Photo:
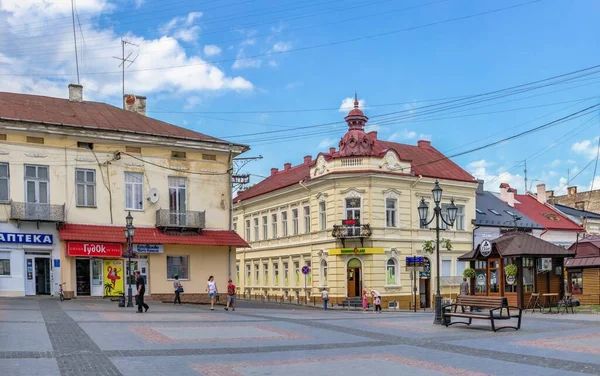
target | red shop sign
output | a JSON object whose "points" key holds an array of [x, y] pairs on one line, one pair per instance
{"points": [[108, 250]]}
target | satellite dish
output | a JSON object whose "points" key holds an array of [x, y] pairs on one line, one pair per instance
{"points": [[130, 99], [153, 195]]}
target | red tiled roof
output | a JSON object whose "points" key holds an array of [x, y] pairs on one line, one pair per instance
{"points": [[149, 235], [91, 115], [544, 214], [425, 160]]}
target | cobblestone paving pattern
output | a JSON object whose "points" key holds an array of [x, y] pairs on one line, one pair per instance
{"points": [[41, 336]]}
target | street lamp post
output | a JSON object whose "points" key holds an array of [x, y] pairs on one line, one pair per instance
{"points": [[437, 210], [129, 231]]}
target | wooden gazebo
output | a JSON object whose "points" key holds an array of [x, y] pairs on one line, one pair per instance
{"points": [[539, 267]]}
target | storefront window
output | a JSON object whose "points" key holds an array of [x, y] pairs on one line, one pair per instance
{"points": [[178, 265], [528, 270], [276, 273], [510, 283], [5, 263], [577, 282], [266, 273], [248, 275], [480, 277]]}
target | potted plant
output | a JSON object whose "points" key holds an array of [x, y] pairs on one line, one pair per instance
{"points": [[511, 270], [469, 273], [429, 246], [447, 243]]}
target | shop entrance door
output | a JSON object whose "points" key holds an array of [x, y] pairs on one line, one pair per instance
{"points": [[141, 265], [97, 278], [494, 277], [354, 278], [82, 277], [42, 276], [29, 275], [425, 292]]}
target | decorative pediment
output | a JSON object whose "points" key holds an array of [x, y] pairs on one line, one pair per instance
{"points": [[321, 196], [391, 193], [392, 162], [85, 159], [4, 152], [36, 155], [392, 252], [352, 193], [321, 166]]}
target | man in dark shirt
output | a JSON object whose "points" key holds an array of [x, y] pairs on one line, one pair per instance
{"points": [[141, 290]]}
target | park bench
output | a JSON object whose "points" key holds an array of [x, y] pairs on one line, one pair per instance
{"points": [[480, 308]]}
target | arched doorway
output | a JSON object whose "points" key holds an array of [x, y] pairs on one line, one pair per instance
{"points": [[424, 284], [354, 278]]}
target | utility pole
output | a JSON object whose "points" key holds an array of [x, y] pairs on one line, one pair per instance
{"points": [[525, 161], [75, 39], [124, 60], [239, 180]]}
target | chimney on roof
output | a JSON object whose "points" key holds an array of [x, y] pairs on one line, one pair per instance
{"points": [[423, 143], [504, 192], [479, 190], [572, 191], [331, 151], [274, 170], [134, 103], [510, 195], [550, 194], [287, 166], [307, 159], [75, 93], [541, 193]]}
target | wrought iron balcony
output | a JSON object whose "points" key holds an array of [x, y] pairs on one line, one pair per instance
{"points": [[350, 231], [188, 220], [31, 211]]}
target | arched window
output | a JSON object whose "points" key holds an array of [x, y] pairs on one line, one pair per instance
{"points": [[391, 272], [324, 273]]}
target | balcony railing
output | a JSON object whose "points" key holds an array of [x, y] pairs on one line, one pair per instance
{"points": [[188, 220], [30, 211], [344, 232]]}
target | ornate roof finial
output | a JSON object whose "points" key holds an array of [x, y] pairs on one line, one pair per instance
{"points": [[355, 99]]}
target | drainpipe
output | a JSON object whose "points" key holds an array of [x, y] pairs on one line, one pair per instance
{"points": [[473, 242], [230, 189], [543, 232], [417, 182], [301, 182]]}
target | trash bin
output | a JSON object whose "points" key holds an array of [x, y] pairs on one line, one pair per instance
{"points": [[446, 320], [122, 301]]}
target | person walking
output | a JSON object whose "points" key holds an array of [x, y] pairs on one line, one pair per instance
{"points": [[378, 304], [211, 287], [230, 295], [141, 290], [178, 290], [464, 287], [365, 302], [325, 297]]}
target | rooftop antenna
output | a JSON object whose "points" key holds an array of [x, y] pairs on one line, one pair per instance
{"points": [[525, 171], [75, 39], [125, 59]]}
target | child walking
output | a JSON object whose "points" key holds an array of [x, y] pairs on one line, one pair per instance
{"points": [[378, 304]]}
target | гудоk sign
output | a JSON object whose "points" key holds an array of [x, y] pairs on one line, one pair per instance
{"points": [[108, 250]]}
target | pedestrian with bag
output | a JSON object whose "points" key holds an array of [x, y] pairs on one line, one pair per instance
{"points": [[140, 285], [230, 295], [178, 290], [325, 297], [211, 287]]}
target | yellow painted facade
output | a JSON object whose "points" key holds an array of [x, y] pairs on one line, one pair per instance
{"points": [[314, 245], [205, 170]]}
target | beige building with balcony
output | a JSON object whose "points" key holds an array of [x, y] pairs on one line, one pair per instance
{"points": [[351, 215], [71, 171]]}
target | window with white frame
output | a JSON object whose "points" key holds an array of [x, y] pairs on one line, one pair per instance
{"points": [[286, 274], [307, 219], [4, 182], [274, 225], [323, 272], [178, 265], [295, 221], [256, 238], [297, 272], [234, 226], [248, 275], [37, 184], [4, 263], [256, 275], [391, 268], [134, 190], [247, 230], [276, 273], [461, 266], [265, 227], [391, 212], [446, 268], [460, 218], [284, 226], [85, 182], [323, 215], [353, 211], [265, 274]]}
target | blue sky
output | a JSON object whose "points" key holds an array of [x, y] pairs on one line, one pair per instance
{"points": [[210, 42]]}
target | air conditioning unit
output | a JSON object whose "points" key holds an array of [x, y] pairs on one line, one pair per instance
{"points": [[544, 264]]}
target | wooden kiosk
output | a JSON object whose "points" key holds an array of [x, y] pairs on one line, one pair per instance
{"points": [[539, 268]]}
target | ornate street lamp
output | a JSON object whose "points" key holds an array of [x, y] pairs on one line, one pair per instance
{"points": [[452, 210], [129, 232]]}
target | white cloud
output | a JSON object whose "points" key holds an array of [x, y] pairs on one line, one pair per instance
{"points": [[348, 104], [595, 184], [138, 3], [273, 63], [242, 62], [183, 28], [561, 187], [277, 29], [211, 50], [248, 42], [327, 142], [404, 135], [426, 137], [480, 170], [587, 148], [552, 174], [373, 128], [570, 161], [194, 75], [555, 163], [191, 102], [281, 47]]}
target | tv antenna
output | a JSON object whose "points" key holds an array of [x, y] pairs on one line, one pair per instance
{"points": [[75, 39], [125, 59]]}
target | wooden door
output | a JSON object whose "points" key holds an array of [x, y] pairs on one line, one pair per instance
{"points": [[352, 277]]}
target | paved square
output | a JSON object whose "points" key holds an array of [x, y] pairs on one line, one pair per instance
{"points": [[42, 336]]}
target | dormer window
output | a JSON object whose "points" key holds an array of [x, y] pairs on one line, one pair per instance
{"points": [[479, 211], [494, 212]]}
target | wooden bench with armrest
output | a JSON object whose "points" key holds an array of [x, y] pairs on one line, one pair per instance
{"points": [[493, 308]]}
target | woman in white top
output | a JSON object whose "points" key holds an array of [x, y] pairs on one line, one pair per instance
{"points": [[211, 287]]}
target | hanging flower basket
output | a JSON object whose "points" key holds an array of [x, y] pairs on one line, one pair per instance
{"points": [[447, 243], [469, 273], [429, 246], [511, 270]]}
